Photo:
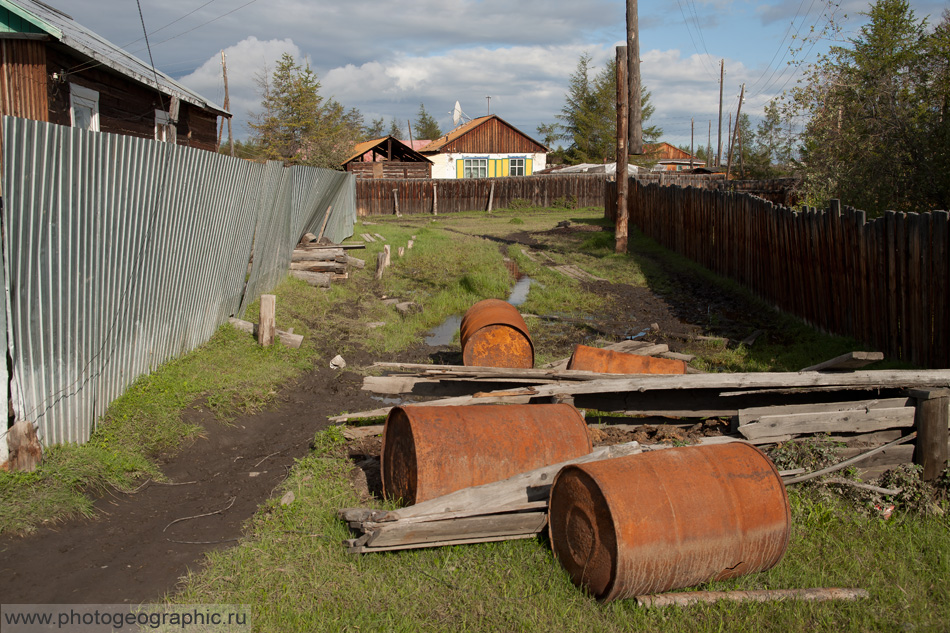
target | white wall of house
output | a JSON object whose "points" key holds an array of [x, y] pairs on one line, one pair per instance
{"points": [[491, 165]]}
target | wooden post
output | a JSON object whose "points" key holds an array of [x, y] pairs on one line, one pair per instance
{"points": [[692, 133], [26, 452], [722, 75], [396, 202], [931, 421], [386, 253], [380, 264], [620, 228], [491, 196], [635, 129], [732, 143], [435, 199], [323, 227], [268, 327]]}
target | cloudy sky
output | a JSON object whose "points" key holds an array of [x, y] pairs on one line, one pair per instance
{"points": [[385, 58]]}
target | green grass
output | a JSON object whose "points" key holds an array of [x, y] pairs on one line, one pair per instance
{"points": [[295, 571]]}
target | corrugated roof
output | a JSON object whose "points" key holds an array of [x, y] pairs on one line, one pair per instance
{"points": [[66, 30], [467, 127]]}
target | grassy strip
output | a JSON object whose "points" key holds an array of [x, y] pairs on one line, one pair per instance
{"points": [[293, 568]]}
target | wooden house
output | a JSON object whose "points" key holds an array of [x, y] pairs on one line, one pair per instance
{"points": [[56, 70], [669, 157], [387, 157], [486, 147]]}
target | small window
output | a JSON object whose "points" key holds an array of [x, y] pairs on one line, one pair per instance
{"points": [[83, 108], [475, 168], [164, 130], [516, 167]]}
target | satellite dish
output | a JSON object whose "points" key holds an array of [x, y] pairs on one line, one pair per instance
{"points": [[457, 113]]}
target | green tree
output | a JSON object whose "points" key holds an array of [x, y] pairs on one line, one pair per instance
{"points": [[394, 130], [426, 127], [872, 137], [299, 126], [375, 129], [588, 119]]}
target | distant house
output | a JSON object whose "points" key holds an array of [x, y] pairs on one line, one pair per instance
{"points": [[387, 157], [669, 157], [486, 147], [56, 70]]}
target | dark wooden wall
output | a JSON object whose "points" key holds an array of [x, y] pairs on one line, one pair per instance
{"points": [[23, 85], [884, 282], [390, 169], [492, 137], [375, 197], [125, 106]]}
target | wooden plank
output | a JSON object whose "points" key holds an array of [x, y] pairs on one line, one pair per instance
{"points": [[859, 421], [481, 528], [849, 361], [753, 414]]}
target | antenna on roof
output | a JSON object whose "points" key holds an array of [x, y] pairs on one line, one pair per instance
{"points": [[457, 113]]}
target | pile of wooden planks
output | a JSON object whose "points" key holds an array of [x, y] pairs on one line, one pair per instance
{"points": [[514, 508], [319, 265]]}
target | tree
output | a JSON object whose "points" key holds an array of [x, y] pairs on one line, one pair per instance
{"points": [[297, 125], [375, 129], [426, 127], [588, 119], [872, 138], [394, 129]]}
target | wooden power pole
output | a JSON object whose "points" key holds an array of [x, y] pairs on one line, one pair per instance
{"points": [[620, 232], [635, 130], [722, 75], [227, 105], [736, 129], [692, 134]]}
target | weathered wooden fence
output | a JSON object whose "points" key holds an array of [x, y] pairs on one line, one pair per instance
{"points": [[885, 282], [380, 196]]}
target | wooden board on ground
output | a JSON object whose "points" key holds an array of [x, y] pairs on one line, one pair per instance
{"points": [[855, 421], [847, 362]]}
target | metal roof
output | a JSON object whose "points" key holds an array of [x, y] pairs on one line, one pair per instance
{"points": [[67, 31]]}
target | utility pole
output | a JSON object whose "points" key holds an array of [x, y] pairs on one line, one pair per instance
{"points": [[692, 133], [709, 146], [732, 144], [489, 105], [623, 106], [227, 105], [635, 130], [722, 75]]}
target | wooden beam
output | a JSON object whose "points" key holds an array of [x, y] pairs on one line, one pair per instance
{"points": [[849, 361], [760, 595], [933, 418], [267, 328]]}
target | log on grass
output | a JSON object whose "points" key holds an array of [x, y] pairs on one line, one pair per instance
{"points": [[317, 280], [686, 598], [318, 255], [355, 262], [319, 267]]}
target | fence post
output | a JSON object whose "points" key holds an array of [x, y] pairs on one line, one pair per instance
{"points": [[396, 202], [435, 199], [931, 419]]}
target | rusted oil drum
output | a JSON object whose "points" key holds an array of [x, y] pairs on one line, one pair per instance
{"points": [[493, 334], [431, 451], [609, 362], [668, 519]]}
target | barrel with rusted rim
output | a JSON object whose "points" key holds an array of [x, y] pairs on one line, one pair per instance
{"points": [[668, 519], [432, 451], [493, 334], [607, 361]]}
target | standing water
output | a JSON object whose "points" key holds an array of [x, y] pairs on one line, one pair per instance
{"points": [[445, 333]]}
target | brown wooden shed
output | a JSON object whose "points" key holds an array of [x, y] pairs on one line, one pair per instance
{"points": [[387, 157], [56, 70]]}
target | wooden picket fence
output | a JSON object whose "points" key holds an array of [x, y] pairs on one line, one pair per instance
{"points": [[423, 195], [885, 282]]}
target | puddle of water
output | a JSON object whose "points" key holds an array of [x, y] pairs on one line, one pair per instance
{"points": [[445, 333], [394, 402]]}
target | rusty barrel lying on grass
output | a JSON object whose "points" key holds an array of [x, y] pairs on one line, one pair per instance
{"points": [[609, 362], [493, 334], [668, 519], [432, 451]]}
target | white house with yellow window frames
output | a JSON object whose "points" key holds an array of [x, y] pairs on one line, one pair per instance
{"points": [[486, 147]]}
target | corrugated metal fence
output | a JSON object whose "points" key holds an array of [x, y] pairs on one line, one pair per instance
{"points": [[885, 282], [121, 253]]}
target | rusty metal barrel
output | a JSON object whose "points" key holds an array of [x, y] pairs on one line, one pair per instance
{"points": [[493, 334], [668, 519], [432, 451], [609, 362]]}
